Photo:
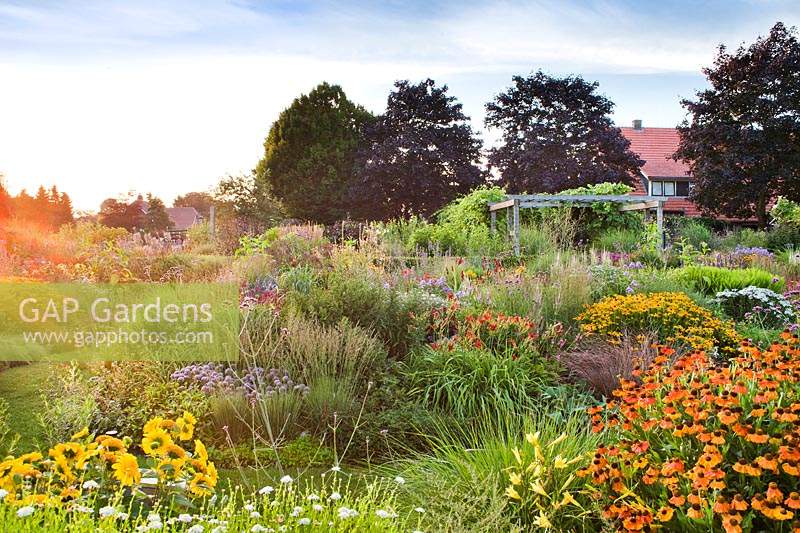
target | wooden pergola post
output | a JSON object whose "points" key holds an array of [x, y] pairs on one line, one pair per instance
{"points": [[493, 218], [516, 227], [660, 223]]}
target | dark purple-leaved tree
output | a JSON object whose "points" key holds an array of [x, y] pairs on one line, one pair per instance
{"points": [[743, 139], [418, 155], [557, 135]]}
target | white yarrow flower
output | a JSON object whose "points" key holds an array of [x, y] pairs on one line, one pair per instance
{"points": [[90, 484], [22, 512], [255, 514], [335, 496], [185, 518], [286, 479], [107, 511], [3, 494], [419, 509], [317, 507], [249, 507], [399, 480], [266, 490], [345, 513], [197, 528], [304, 521]]}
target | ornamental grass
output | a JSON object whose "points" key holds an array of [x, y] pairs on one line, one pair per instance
{"points": [[703, 446]]}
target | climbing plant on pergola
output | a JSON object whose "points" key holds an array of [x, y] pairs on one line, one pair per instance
{"points": [[515, 202]]}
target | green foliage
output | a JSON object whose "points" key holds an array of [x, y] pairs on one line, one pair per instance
{"points": [[156, 220], [177, 267], [696, 233], [472, 382], [309, 154], [619, 240], [68, 406], [605, 215], [462, 481], [8, 438], [304, 452], [711, 280], [471, 210], [783, 237], [785, 212], [393, 316]]}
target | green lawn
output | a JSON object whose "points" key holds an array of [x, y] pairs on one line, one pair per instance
{"points": [[21, 387]]}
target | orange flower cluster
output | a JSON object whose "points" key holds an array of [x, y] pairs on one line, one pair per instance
{"points": [[701, 446], [673, 316]]}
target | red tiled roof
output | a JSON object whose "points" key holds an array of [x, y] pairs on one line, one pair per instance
{"points": [[656, 146]]}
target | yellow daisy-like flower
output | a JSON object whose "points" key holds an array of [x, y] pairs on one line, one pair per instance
{"points": [[200, 452], [156, 441], [126, 469], [81, 434], [185, 426]]}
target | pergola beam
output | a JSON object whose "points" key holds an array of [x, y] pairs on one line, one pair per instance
{"points": [[641, 205], [514, 202]]}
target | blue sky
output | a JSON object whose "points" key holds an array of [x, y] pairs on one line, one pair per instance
{"points": [[167, 97]]}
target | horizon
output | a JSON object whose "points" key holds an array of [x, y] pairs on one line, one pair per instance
{"points": [[102, 99]]}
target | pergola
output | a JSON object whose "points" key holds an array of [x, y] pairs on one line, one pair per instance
{"points": [[514, 202]]}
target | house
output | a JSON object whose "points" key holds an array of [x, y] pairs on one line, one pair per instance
{"points": [[182, 219], [661, 175]]}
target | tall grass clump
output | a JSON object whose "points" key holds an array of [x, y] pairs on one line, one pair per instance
{"points": [[710, 280], [471, 382], [464, 481]]}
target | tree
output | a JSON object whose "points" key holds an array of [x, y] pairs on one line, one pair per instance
{"points": [[556, 135], [5, 201], [115, 214], [201, 201], [249, 199], [420, 154], [743, 141], [308, 154], [156, 219]]}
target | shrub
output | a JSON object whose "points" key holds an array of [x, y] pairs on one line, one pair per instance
{"points": [[711, 280], [698, 446], [746, 237], [763, 307], [785, 212], [782, 237], [365, 302], [600, 364], [672, 317], [696, 233]]}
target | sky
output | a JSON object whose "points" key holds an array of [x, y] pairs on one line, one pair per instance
{"points": [[105, 97]]}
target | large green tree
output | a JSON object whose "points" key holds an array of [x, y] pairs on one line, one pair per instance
{"points": [[156, 220], [557, 134], [419, 155], [201, 201], [309, 153], [743, 140]]}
